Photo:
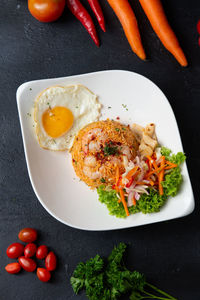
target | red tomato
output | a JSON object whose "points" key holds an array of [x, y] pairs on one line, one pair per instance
{"points": [[42, 252], [15, 250], [27, 264], [30, 250], [51, 261], [198, 27], [46, 10], [43, 274], [13, 268], [27, 235]]}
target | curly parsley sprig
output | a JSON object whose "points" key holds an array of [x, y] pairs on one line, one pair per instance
{"points": [[108, 280]]}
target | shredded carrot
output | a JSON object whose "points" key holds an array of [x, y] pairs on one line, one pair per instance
{"points": [[161, 175], [136, 174], [123, 201], [152, 183], [170, 167], [134, 201], [171, 164], [156, 171], [155, 165], [156, 168], [159, 169], [140, 182], [131, 172], [119, 182], [132, 179], [149, 161]]}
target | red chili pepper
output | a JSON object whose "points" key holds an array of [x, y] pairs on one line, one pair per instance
{"points": [[154, 156], [95, 6], [129, 183], [79, 11], [198, 27]]}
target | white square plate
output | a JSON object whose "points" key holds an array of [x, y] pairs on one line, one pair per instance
{"points": [[51, 173]]}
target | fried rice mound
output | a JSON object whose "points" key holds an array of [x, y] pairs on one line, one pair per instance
{"points": [[99, 149]]}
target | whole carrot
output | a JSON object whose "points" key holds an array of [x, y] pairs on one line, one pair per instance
{"points": [[79, 11], [128, 21], [95, 6], [156, 15]]}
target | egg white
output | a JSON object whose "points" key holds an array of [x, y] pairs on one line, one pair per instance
{"points": [[80, 100]]}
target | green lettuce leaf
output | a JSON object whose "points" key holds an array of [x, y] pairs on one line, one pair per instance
{"points": [[172, 182], [178, 158], [151, 203], [110, 199]]}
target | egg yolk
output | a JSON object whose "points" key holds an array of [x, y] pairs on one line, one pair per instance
{"points": [[56, 121]]}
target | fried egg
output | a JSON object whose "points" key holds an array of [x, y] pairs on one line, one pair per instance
{"points": [[60, 112]]}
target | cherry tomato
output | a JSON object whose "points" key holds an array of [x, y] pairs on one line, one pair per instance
{"points": [[198, 27], [15, 250], [13, 268], [30, 250], [51, 261], [27, 264], [27, 235], [43, 274], [42, 252], [46, 10]]}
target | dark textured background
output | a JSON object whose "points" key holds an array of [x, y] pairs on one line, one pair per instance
{"points": [[168, 253]]}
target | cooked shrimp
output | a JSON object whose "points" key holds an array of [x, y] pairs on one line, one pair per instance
{"points": [[93, 140], [90, 161], [94, 146], [125, 150], [115, 160], [89, 172]]}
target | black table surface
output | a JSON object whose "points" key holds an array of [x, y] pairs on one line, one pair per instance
{"points": [[168, 252]]}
